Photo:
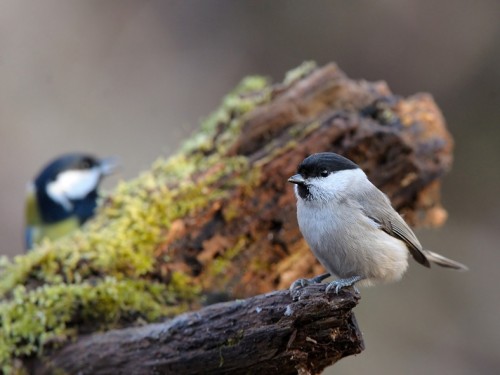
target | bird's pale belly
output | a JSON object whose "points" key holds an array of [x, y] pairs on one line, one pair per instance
{"points": [[367, 251]]}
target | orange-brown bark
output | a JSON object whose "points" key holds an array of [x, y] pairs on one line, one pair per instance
{"points": [[402, 144]]}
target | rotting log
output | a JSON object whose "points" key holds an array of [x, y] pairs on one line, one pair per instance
{"points": [[274, 333], [401, 143], [243, 241]]}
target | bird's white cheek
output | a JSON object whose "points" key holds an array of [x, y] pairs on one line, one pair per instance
{"points": [[342, 180], [73, 185], [336, 184], [82, 183], [55, 192], [323, 189], [296, 191]]}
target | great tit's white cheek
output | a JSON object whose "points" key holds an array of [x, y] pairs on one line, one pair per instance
{"points": [[55, 192], [73, 185]]}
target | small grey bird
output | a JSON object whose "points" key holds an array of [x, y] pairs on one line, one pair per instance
{"points": [[351, 227]]}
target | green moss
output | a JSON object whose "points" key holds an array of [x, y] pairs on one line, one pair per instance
{"points": [[219, 266], [101, 275], [47, 314], [301, 131], [235, 340], [232, 341], [251, 92], [230, 211], [299, 72]]}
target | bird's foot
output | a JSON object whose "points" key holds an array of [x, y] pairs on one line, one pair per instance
{"points": [[337, 285], [301, 283]]}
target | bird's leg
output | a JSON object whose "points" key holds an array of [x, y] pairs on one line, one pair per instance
{"points": [[336, 285], [300, 283]]}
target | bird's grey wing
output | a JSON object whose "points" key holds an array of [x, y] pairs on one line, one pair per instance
{"points": [[378, 208]]}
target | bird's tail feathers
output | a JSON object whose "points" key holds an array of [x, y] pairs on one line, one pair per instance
{"points": [[443, 261]]}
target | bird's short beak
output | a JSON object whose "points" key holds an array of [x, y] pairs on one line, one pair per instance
{"points": [[108, 165], [297, 179]]}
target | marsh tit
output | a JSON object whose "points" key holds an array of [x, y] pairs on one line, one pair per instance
{"points": [[351, 227], [63, 196]]}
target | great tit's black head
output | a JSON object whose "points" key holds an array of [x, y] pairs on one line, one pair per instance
{"points": [[68, 186], [68, 162], [316, 171]]}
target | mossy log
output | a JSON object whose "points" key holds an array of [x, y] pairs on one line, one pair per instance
{"points": [[216, 221], [267, 334], [248, 242]]}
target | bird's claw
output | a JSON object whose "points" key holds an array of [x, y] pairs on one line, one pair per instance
{"points": [[298, 284], [301, 283], [337, 285]]}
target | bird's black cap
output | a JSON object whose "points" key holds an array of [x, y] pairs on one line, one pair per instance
{"points": [[65, 163], [314, 165]]}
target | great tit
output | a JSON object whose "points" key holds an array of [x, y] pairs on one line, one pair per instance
{"points": [[63, 196], [351, 227]]}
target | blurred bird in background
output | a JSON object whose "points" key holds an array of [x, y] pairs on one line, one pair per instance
{"points": [[63, 196]]}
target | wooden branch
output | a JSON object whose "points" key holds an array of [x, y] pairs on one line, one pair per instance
{"points": [[238, 239], [267, 334], [401, 143]]}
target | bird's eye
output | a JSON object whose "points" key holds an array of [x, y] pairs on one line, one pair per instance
{"points": [[324, 173], [84, 164]]}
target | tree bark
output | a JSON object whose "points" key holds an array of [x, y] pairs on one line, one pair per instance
{"points": [[278, 332], [247, 242], [401, 143]]}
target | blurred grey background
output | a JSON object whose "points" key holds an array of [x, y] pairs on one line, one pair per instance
{"points": [[133, 78]]}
